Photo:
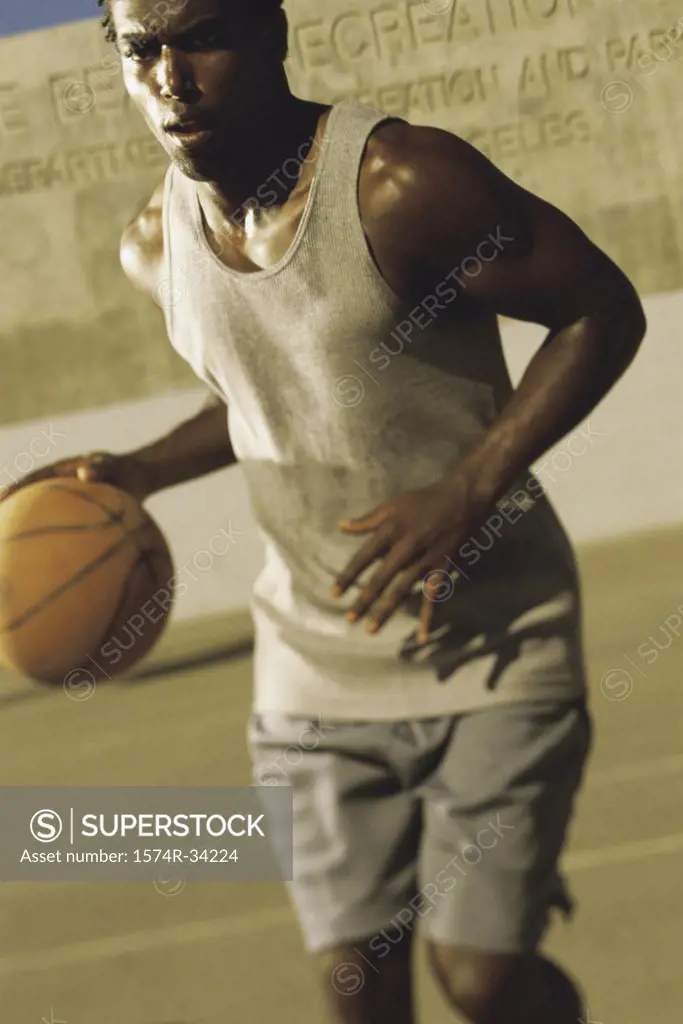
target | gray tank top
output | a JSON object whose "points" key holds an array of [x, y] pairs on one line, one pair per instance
{"points": [[331, 411]]}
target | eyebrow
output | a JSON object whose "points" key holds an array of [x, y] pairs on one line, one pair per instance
{"points": [[145, 36]]}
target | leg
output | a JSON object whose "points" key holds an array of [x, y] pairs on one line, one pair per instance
{"points": [[504, 989], [357, 994], [496, 816], [356, 838]]}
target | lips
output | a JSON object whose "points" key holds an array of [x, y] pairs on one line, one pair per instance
{"points": [[188, 134], [186, 127]]}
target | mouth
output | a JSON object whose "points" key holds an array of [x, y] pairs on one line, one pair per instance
{"points": [[188, 134]]}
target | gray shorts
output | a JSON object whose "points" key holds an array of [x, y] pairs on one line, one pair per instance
{"points": [[455, 823]]}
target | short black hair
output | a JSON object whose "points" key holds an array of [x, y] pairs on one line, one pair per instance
{"points": [[105, 21], [264, 8]]}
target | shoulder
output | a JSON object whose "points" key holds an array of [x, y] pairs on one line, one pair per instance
{"points": [[142, 243], [424, 180], [397, 146]]}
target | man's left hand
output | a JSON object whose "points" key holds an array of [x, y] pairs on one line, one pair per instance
{"points": [[417, 534]]}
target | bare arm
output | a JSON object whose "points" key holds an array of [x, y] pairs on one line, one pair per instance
{"points": [[432, 203], [200, 445], [441, 202], [194, 449]]}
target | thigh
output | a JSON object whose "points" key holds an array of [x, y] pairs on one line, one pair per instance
{"points": [[496, 814], [356, 824]]}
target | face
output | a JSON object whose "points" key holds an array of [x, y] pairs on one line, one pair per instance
{"points": [[199, 72]]}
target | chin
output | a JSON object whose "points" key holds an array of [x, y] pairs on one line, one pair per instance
{"points": [[200, 164], [196, 166]]}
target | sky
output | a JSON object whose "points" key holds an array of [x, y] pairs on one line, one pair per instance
{"points": [[27, 15]]}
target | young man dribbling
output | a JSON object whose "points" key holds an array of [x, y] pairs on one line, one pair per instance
{"points": [[443, 655]]}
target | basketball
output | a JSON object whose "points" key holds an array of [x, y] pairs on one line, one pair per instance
{"points": [[85, 581]]}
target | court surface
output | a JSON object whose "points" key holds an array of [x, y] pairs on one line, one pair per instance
{"points": [[123, 953]]}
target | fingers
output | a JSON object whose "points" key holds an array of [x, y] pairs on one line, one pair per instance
{"points": [[426, 620], [388, 605], [93, 467], [372, 521], [439, 585], [375, 548], [86, 468], [402, 557], [30, 478], [87, 471]]}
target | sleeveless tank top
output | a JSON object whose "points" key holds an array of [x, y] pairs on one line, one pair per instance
{"points": [[335, 405]]}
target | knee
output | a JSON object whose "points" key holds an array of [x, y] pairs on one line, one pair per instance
{"points": [[470, 980], [357, 981], [343, 974], [349, 967]]}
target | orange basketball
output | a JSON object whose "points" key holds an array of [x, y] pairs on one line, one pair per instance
{"points": [[86, 581]]}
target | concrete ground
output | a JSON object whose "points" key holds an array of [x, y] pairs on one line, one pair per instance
{"points": [[123, 953]]}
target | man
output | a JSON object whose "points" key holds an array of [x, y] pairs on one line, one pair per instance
{"points": [[335, 277]]}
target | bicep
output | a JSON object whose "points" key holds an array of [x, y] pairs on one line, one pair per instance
{"points": [[512, 251], [556, 277]]}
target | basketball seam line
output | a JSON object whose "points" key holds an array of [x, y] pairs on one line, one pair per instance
{"points": [[143, 558], [63, 587], [47, 531], [114, 517], [90, 499]]}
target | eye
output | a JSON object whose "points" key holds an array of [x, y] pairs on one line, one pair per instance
{"points": [[211, 37], [140, 50], [205, 37]]}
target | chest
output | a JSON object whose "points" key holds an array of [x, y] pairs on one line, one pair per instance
{"points": [[269, 236]]}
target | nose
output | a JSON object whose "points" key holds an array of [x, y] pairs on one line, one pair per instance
{"points": [[175, 75]]}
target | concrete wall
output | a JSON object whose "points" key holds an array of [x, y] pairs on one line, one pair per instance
{"points": [[576, 99]]}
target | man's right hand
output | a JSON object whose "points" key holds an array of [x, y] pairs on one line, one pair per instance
{"points": [[126, 472]]}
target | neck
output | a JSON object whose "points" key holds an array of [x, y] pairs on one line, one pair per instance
{"points": [[256, 166]]}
